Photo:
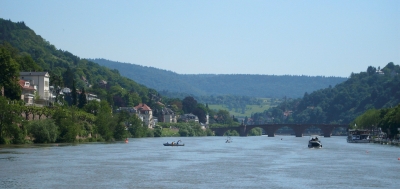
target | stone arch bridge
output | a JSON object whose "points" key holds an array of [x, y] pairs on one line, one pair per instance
{"points": [[270, 129]]}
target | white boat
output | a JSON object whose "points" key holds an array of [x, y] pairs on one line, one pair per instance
{"points": [[314, 142], [358, 136]]}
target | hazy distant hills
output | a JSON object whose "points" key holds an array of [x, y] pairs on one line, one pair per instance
{"points": [[271, 86]]}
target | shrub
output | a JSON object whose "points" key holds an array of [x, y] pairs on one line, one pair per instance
{"points": [[44, 131]]}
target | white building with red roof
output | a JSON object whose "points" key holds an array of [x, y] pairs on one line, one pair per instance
{"points": [[28, 91], [41, 80], [146, 114]]}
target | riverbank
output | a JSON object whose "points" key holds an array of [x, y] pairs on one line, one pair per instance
{"points": [[386, 141]]}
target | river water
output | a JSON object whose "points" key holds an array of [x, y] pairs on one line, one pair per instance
{"points": [[204, 162]]}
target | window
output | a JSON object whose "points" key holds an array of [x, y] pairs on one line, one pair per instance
{"points": [[46, 83]]}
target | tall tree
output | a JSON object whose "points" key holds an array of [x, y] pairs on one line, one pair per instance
{"points": [[201, 112], [9, 75], [57, 82], [74, 94], [82, 99], [223, 117], [9, 118], [104, 121], [68, 77], [189, 104], [371, 70]]}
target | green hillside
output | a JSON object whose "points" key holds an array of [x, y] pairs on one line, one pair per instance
{"points": [[373, 89], [66, 68]]}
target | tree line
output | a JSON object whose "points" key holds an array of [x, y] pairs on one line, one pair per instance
{"points": [[387, 119]]}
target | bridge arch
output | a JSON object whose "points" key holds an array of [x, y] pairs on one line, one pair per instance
{"points": [[255, 131], [285, 130], [313, 130], [222, 131]]}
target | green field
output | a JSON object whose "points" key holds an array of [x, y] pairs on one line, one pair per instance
{"points": [[167, 132], [267, 103]]}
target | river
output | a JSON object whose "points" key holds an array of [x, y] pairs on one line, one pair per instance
{"points": [[204, 162]]}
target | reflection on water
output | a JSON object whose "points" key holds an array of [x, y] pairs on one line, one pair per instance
{"points": [[204, 162]]}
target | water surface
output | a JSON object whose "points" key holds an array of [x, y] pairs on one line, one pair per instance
{"points": [[204, 162]]}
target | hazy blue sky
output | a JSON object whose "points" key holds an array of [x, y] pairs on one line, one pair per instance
{"points": [[296, 37]]}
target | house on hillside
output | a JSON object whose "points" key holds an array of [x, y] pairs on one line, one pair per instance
{"points": [[380, 72], [65, 90], [90, 96], [67, 95], [27, 91], [103, 83], [289, 112], [146, 114], [189, 117], [41, 80], [130, 110], [86, 81], [168, 116]]}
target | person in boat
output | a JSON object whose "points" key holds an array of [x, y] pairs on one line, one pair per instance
{"points": [[316, 138]]}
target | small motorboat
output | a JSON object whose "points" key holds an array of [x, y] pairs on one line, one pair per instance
{"points": [[174, 143], [314, 142]]}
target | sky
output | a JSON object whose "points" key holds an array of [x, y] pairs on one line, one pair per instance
{"points": [[267, 37]]}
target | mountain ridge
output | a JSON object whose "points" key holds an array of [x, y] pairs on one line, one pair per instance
{"points": [[253, 85]]}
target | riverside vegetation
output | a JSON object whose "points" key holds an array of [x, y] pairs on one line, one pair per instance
{"points": [[77, 119], [373, 92]]}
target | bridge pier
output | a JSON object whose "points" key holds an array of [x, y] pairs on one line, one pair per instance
{"points": [[270, 130], [242, 130], [299, 134], [328, 130], [271, 134], [298, 130], [327, 135]]}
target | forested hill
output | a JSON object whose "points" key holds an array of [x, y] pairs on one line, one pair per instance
{"points": [[66, 68], [272, 86], [374, 89]]}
